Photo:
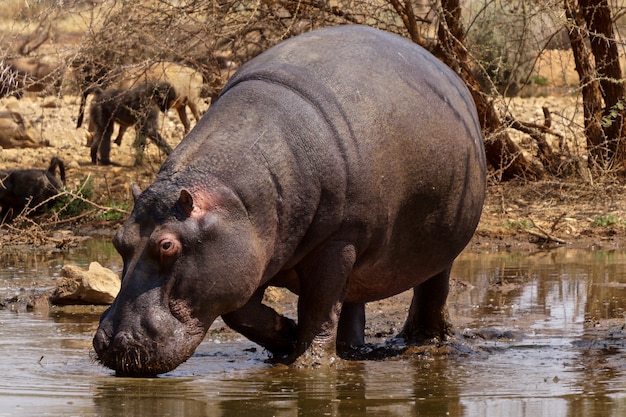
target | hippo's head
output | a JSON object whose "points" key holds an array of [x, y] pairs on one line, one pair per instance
{"points": [[189, 256]]}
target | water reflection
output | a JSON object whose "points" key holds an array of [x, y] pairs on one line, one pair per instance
{"points": [[549, 324], [23, 270], [147, 397], [566, 286], [415, 388], [556, 297]]}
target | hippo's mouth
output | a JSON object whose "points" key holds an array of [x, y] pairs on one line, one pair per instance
{"points": [[155, 347], [131, 357]]}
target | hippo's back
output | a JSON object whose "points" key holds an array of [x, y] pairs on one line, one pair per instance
{"points": [[380, 93], [364, 76]]}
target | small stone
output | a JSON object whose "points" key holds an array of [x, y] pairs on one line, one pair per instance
{"points": [[97, 285]]}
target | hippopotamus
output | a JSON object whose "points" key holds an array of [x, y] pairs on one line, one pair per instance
{"points": [[345, 164]]}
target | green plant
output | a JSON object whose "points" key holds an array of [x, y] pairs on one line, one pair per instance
{"points": [[606, 221], [518, 225], [75, 202], [614, 112], [539, 80], [116, 214]]}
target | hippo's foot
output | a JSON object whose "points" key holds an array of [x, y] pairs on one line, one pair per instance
{"points": [[419, 333], [428, 317], [319, 353]]}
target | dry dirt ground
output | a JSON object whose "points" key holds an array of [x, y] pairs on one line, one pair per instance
{"points": [[516, 214], [538, 215]]}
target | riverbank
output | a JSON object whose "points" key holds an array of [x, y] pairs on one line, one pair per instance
{"points": [[526, 215]]}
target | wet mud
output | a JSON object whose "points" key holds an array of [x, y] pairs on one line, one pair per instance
{"points": [[535, 334]]}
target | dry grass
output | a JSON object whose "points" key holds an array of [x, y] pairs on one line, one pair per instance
{"points": [[21, 17]]}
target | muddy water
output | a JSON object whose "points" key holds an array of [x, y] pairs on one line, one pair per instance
{"points": [[537, 335]]}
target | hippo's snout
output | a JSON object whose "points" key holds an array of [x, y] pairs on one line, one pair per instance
{"points": [[126, 355], [146, 344]]}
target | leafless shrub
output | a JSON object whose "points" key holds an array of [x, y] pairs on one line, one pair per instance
{"points": [[11, 81], [508, 40]]}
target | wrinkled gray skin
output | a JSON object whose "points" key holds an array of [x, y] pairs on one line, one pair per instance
{"points": [[345, 164]]}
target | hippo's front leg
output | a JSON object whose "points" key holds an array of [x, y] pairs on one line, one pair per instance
{"points": [[323, 281], [263, 325]]}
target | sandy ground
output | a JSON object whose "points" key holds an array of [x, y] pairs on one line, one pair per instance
{"points": [[53, 121], [516, 213]]}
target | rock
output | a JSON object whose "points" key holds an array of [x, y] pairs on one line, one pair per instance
{"points": [[52, 103], [97, 285], [273, 295]]}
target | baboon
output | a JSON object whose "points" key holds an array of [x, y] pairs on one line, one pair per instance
{"points": [[36, 74], [187, 82], [21, 188], [138, 106]]}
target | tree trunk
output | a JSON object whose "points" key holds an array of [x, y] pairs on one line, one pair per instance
{"points": [[597, 15], [501, 152], [597, 155]]}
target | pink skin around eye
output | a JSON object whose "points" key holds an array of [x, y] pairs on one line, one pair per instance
{"points": [[167, 248]]}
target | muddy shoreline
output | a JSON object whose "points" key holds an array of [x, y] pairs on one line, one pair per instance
{"points": [[386, 317], [518, 216]]}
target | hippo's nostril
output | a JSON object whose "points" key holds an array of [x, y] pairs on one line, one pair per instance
{"points": [[101, 341], [122, 340]]}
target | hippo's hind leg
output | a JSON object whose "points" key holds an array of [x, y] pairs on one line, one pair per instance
{"points": [[351, 328], [428, 317], [264, 326]]}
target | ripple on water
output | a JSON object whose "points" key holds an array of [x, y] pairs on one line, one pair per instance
{"points": [[537, 319]]}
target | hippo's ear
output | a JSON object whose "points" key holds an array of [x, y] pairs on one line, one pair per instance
{"points": [[135, 189], [196, 204], [185, 201]]}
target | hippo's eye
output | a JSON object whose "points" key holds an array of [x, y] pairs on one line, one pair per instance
{"points": [[168, 248]]}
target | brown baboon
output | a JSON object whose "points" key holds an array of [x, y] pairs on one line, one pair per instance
{"points": [[21, 188], [187, 82], [36, 74], [138, 106]]}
